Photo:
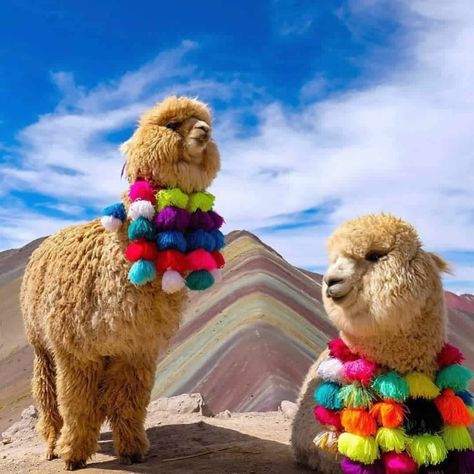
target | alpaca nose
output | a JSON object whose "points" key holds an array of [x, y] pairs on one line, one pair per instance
{"points": [[202, 126], [332, 281]]}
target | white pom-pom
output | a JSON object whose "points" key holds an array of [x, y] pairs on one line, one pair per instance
{"points": [[172, 282], [141, 209], [331, 369], [217, 274], [111, 223]]}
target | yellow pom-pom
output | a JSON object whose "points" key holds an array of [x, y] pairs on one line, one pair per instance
{"points": [[171, 197], [427, 449], [457, 438], [390, 439], [421, 386], [327, 441], [358, 448], [203, 201]]}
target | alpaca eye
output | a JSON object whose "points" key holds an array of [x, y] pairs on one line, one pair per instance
{"points": [[374, 256], [173, 125]]}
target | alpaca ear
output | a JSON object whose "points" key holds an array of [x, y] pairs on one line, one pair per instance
{"points": [[441, 264], [124, 147]]}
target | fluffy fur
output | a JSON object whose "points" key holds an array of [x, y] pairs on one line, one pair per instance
{"points": [[383, 292], [96, 336]]}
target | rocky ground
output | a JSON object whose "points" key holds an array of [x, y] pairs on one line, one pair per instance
{"points": [[183, 440]]}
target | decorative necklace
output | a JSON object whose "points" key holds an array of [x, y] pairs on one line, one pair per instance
{"points": [[383, 422], [171, 233]]}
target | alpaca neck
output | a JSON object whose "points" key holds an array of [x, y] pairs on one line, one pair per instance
{"points": [[414, 348]]}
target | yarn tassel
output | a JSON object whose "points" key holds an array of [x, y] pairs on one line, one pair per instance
{"points": [[452, 409], [330, 418], [353, 467], [455, 377], [457, 438], [327, 395], [142, 272], [331, 369], [449, 355], [427, 449], [358, 448], [355, 396], [339, 350], [360, 370], [111, 223], [327, 441], [422, 417], [390, 439], [391, 385], [388, 413], [358, 421], [172, 282], [199, 280], [399, 463], [421, 386]]}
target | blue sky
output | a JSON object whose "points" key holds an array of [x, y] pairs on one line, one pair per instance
{"points": [[323, 111]]}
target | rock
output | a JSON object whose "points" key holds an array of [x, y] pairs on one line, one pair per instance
{"points": [[224, 415], [181, 404], [24, 428], [288, 409], [30, 412]]}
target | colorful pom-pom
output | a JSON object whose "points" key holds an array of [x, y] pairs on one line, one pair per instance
{"points": [[388, 413], [331, 369], [421, 386], [330, 418], [142, 272], [199, 280], [453, 409], [358, 448], [339, 349], [201, 239], [455, 377], [427, 449], [219, 258], [327, 395], [462, 462], [111, 223], [171, 197], [361, 370], [172, 218], [217, 275], [172, 282], [141, 228], [422, 417], [355, 396], [358, 421], [171, 239], [141, 209], [219, 239], [201, 220], [466, 396], [348, 466], [142, 190], [399, 463], [390, 439], [457, 438], [116, 210], [141, 249], [200, 260], [171, 260], [217, 219], [391, 385], [327, 441], [202, 201], [449, 355]]}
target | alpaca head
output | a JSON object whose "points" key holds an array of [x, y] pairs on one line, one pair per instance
{"points": [[172, 146], [379, 279]]}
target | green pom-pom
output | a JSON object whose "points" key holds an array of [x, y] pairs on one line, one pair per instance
{"points": [[358, 448], [391, 385], [202, 201], [390, 439], [327, 395], [199, 280], [457, 438], [141, 228], [355, 396], [455, 377], [427, 449], [171, 197]]}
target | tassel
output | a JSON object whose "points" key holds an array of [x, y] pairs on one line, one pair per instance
{"points": [[457, 438], [427, 449], [219, 239], [172, 218], [327, 441], [141, 209], [171, 259], [358, 421], [399, 463], [202, 201], [449, 355], [111, 223], [327, 395], [388, 413], [141, 249], [360, 370], [201, 239], [452, 409], [171, 197], [391, 385], [422, 417], [201, 220], [358, 448], [390, 439], [331, 369], [339, 350], [330, 418], [141, 228], [353, 467], [200, 259], [354, 396], [466, 397], [218, 257], [142, 272], [455, 377], [172, 282], [463, 462], [217, 219], [421, 386], [199, 280], [142, 190], [116, 210], [171, 239]]}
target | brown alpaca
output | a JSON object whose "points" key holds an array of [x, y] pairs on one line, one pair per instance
{"points": [[96, 336], [384, 294]]}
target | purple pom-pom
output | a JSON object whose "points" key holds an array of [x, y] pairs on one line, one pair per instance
{"points": [[353, 467], [217, 219], [172, 218], [462, 462], [201, 220]]}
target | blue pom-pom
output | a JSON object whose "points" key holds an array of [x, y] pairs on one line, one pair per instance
{"points": [[141, 272], [219, 238], [327, 395], [466, 396], [141, 228], [201, 239], [116, 210], [171, 239], [199, 280]]}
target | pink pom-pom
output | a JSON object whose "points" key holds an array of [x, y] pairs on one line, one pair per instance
{"points": [[141, 249], [142, 190], [330, 418], [361, 370], [449, 355], [399, 463], [339, 349], [200, 259]]}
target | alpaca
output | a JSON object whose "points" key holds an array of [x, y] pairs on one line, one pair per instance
{"points": [[383, 292], [95, 335]]}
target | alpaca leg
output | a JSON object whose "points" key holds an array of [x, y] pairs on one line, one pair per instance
{"points": [[44, 392], [126, 396], [78, 387]]}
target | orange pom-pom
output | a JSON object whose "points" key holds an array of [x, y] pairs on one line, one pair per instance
{"points": [[452, 409], [201, 259], [171, 259], [219, 258], [358, 421], [141, 249], [388, 414]]}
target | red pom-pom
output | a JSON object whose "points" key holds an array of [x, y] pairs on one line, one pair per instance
{"points": [[142, 190], [201, 259], [449, 355], [171, 259], [338, 349], [219, 258], [399, 463], [141, 249], [330, 418]]}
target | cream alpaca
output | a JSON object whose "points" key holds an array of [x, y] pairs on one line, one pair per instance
{"points": [[96, 336]]}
